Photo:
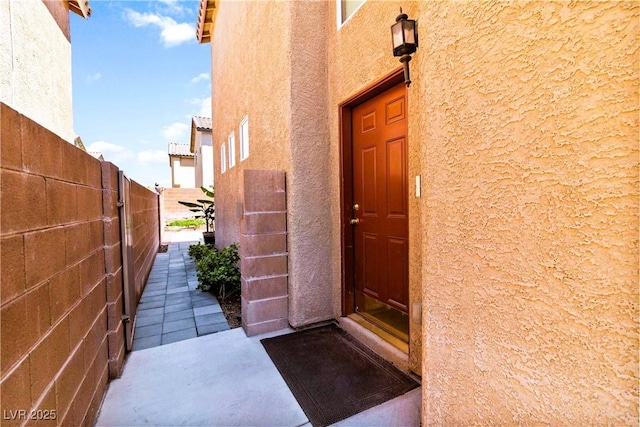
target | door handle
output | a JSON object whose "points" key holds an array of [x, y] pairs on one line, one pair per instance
{"points": [[354, 221]]}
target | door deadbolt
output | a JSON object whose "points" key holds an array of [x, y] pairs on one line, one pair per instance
{"points": [[356, 207]]}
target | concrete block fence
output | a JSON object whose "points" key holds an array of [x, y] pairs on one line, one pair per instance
{"points": [[61, 294], [171, 209]]}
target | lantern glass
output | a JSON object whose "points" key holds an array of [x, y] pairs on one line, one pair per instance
{"points": [[398, 36], [405, 39], [408, 28]]}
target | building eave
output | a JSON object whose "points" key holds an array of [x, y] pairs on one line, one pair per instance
{"points": [[80, 7], [206, 19]]}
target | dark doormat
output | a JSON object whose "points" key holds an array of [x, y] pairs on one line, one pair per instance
{"points": [[332, 375]]}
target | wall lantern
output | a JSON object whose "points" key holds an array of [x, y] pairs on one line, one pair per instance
{"points": [[404, 34]]}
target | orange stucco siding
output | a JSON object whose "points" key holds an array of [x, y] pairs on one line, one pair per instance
{"points": [[528, 123], [258, 88], [523, 126]]}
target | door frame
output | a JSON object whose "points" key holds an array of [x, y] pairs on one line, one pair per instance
{"points": [[346, 181]]}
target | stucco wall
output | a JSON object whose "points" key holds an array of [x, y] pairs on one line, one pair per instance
{"points": [[206, 154], [529, 128], [60, 12], [309, 219], [203, 160], [523, 125], [31, 41], [258, 87], [183, 172], [281, 63]]}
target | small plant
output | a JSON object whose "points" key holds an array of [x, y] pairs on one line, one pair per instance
{"points": [[187, 222], [218, 271], [198, 251], [205, 208]]}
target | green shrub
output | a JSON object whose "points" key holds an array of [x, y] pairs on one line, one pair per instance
{"points": [[198, 250], [186, 222], [218, 271]]}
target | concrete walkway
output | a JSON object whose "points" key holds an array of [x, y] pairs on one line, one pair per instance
{"points": [[221, 379], [171, 308]]}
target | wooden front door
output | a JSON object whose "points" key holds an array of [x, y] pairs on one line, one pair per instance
{"points": [[380, 208]]}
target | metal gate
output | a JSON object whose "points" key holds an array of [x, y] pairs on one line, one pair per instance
{"points": [[128, 275]]}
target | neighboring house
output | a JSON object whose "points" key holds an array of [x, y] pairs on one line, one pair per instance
{"points": [[44, 97], [78, 143], [479, 228], [201, 147], [181, 160]]}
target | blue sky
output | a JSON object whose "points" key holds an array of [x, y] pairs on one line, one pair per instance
{"points": [[139, 75]]}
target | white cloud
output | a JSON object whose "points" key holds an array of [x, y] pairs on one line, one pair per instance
{"points": [[175, 130], [173, 7], [105, 147], [200, 77], [93, 77], [171, 3], [111, 152], [203, 105], [172, 32], [153, 156]]}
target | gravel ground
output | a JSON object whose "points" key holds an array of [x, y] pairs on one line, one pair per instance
{"points": [[232, 310]]}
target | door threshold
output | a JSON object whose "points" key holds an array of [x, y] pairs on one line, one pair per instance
{"points": [[383, 343], [388, 337]]}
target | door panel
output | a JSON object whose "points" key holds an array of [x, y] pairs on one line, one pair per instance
{"points": [[369, 121], [395, 110], [397, 178], [370, 254], [397, 258], [380, 189], [370, 192]]}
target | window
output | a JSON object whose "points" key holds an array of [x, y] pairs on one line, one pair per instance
{"points": [[244, 138], [223, 158], [346, 8], [232, 150]]}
